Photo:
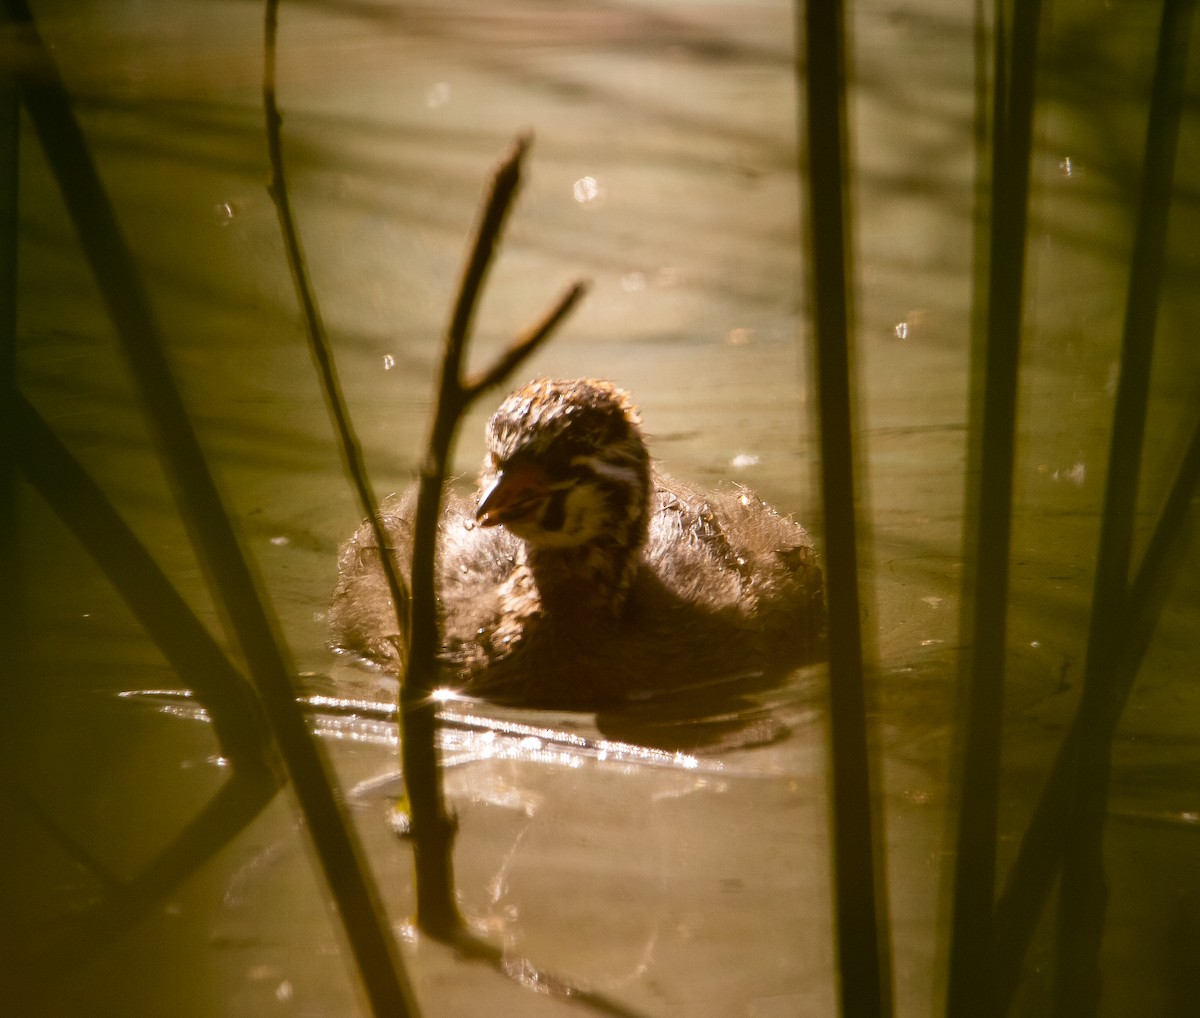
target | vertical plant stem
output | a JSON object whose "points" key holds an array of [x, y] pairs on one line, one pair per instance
{"points": [[10, 579], [1083, 890], [363, 913], [1040, 855], [970, 983], [129, 308], [432, 829], [863, 954], [318, 341]]}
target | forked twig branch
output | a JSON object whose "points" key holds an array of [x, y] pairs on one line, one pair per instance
{"points": [[416, 607], [433, 831], [509, 361]]}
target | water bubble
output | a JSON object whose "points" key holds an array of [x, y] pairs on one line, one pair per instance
{"points": [[631, 282], [389, 362], [437, 95], [901, 330], [586, 190], [1076, 474]]}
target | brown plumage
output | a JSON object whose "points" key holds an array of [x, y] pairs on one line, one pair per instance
{"points": [[581, 578]]}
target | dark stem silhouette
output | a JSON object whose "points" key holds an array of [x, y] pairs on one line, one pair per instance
{"points": [[432, 829]]}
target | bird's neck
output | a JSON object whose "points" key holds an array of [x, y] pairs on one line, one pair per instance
{"points": [[595, 577]]}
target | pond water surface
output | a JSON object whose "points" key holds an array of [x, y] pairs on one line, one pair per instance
{"points": [[690, 880]]}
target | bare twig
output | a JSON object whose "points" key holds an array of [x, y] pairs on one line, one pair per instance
{"points": [[522, 347], [506, 180], [363, 915], [432, 828], [350, 448], [433, 831]]}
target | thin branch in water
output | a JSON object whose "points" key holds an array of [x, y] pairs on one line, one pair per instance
{"points": [[525, 345], [506, 180], [432, 829], [318, 339], [364, 918]]}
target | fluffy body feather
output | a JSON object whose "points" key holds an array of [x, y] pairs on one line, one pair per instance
{"points": [[581, 578]]}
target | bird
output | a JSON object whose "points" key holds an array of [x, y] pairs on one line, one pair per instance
{"points": [[581, 577]]}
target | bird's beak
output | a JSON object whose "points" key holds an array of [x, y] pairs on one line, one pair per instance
{"points": [[515, 494]]}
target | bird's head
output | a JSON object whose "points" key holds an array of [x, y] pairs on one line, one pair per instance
{"points": [[567, 467]]}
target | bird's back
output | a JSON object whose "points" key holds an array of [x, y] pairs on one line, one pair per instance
{"points": [[726, 587]]}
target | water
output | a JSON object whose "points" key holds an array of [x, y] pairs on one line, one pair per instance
{"points": [[663, 170]]}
